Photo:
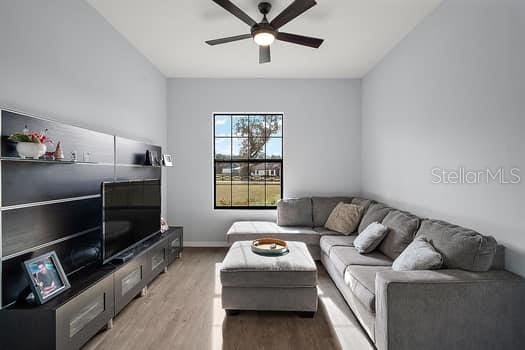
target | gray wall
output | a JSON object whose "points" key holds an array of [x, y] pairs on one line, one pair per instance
{"points": [[321, 143], [452, 95], [60, 59]]}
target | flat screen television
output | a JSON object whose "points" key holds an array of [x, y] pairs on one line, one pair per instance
{"points": [[130, 214]]}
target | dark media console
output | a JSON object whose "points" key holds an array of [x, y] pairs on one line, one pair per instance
{"points": [[96, 296], [56, 205]]}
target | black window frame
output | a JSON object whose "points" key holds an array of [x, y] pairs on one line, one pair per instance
{"points": [[248, 161]]}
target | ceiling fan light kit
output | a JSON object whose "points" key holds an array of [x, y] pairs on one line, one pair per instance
{"points": [[265, 33]]}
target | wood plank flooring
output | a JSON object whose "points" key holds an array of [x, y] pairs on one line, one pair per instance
{"points": [[183, 311]]}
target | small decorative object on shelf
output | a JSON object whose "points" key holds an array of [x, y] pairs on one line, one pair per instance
{"points": [[149, 158], [157, 161], [49, 155], [74, 156], [30, 144], [46, 277], [167, 160], [163, 225], [152, 158], [59, 154]]}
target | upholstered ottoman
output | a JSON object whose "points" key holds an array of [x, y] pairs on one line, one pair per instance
{"points": [[254, 282]]}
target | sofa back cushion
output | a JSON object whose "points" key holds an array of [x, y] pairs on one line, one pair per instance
{"points": [[499, 259], [294, 212], [402, 228], [461, 248], [362, 202], [376, 213], [322, 208]]}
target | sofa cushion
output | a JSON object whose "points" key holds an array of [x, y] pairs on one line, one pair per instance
{"points": [[294, 212], [322, 208], [419, 255], [362, 202], [499, 258], [323, 231], [370, 238], [345, 256], [376, 213], [344, 218], [402, 228], [327, 242], [461, 248], [361, 281], [250, 230]]}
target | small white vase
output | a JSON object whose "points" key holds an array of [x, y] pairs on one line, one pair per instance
{"points": [[31, 149]]}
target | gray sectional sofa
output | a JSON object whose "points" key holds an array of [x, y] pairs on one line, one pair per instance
{"points": [[471, 303]]}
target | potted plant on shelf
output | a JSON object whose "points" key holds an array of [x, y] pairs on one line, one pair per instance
{"points": [[30, 144]]}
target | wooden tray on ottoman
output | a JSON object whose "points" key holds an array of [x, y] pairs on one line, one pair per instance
{"points": [[270, 247]]}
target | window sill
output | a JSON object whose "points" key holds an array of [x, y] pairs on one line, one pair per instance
{"points": [[245, 208]]}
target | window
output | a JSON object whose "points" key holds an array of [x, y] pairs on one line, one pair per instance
{"points": [[248, 160]]}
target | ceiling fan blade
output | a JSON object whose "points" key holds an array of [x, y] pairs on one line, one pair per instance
{"points": [[237, 12], [228, 39], [264, 54], [294, 10], [300, 39]]}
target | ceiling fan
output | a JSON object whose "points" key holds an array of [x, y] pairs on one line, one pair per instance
{"points": [[264, 33]]}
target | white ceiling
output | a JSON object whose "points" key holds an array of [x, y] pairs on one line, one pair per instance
{"points": [[171, 34]]}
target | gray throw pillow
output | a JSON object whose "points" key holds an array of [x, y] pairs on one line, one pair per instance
{"points": [[344, 218], [370, 238], [419, 255]]}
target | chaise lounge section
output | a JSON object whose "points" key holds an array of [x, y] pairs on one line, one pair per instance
{"points": [[471, 303], [300, 219]]}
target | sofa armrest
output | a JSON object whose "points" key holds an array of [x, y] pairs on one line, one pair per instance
{"points": [[449, 309]]}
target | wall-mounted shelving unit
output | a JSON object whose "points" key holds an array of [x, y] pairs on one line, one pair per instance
{"points": [[55, 205]]}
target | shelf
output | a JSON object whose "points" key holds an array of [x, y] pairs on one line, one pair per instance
{"points": [[50, 161], [53, 161], [138, 165], [80, 281]]}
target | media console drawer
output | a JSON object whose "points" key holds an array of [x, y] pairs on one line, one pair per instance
{"points": [[156, 262], [129, 281], [174, 244], [84, 315]]}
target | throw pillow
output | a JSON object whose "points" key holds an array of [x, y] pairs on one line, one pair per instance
{"points": [[370, 238], [419, 255], [344, 218]]}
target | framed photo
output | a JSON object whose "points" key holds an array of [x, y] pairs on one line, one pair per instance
{"points": [[46, 277], [167, 160]]}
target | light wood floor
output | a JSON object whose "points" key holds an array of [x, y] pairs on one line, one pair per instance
{"points": [[183, 311]]}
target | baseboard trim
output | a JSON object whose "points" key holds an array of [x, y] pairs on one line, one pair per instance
{"points": [[206, 244]]}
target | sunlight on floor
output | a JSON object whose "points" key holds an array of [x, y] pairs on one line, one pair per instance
{"points": [[342, 321], [217, 313], [334, 309]]}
